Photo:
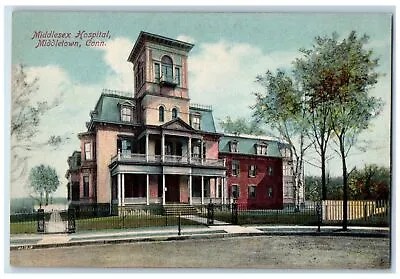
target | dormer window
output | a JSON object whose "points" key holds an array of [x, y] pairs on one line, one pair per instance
{"points": [[126, 114], [126, 111], [261, 148], [195, 121], [233, 146]]}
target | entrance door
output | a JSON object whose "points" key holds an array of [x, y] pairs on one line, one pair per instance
{"points": [[172, 185]]}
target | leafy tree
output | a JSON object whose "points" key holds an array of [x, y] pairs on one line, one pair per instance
{"points": [[370, 183], [336, 76], [241, 126], [280, 107], [25, 121], [44, 181]]}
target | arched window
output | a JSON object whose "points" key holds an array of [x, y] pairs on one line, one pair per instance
{"points": [[161, 114], [166, 68], [174, 113]]}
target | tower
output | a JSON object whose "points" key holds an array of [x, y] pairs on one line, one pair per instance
{"points": [[161, 83]]}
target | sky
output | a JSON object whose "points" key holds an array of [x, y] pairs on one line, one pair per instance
{"points": [[230, 50]]}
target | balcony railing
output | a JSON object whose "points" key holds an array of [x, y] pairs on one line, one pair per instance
{"points": [[174, 159]]}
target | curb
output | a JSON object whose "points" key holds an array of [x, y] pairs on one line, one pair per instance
{"points": [[197, 236]]}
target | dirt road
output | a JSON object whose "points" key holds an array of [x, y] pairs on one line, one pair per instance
{"points": [[269, 252]]}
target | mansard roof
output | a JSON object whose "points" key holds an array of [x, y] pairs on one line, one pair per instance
{"points": [[246, 145], [206, 117]]}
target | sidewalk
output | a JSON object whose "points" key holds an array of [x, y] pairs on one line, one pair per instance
{"points": [[31, 241]]}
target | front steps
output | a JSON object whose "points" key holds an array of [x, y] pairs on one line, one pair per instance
{"points": [[182, 209]]}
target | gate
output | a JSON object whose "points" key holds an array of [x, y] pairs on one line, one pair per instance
{"points": [[58, 221]]}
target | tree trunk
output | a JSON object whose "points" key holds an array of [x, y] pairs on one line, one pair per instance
{"points": [[323, 179], [345, 186], [47, 198]]}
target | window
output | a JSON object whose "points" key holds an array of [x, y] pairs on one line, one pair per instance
{"points": [[139, 75], [261, 149], [161, 114], [233, 146], [270, 171], [252, 171], [269, 192], [125, 146], [252, 192], [196, 121], [86, 186], [156, 72], [88, 151], [235, 168], [168, 148], [196, 151], [174, 113], [235, 191], [126, 114], [166, 69], [178, 76]]}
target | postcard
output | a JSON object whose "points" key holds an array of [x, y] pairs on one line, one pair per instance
{"points": [[220, 139]]}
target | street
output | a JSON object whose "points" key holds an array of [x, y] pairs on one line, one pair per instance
{"points": [[269, 252]]}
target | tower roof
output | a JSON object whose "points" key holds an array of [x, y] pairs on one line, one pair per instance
{"points": [[149, 37]]}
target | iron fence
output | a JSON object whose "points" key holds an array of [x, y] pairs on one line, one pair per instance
{"points": [[104, 217]]}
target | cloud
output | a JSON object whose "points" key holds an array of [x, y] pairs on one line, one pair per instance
{"points": [[222, 74], [115, 56], [186, 38]]}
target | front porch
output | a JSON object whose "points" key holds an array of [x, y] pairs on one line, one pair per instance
{"points": [[145, 189]]}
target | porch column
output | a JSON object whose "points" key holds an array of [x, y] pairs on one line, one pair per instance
{"points": [[190, 150], [162, 147], [147, 147], [147, 190], [119, 188], [202, 189], [190, 190], [202, 151], [163, 189], [222, 191], [123, 189], [216, 185]]}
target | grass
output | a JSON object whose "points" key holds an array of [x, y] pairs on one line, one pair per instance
{"points": [[132, 221], [23, 227]]}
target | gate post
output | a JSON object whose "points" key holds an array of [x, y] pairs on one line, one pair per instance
{"points": [[71, 220], [40, 220], [234, 212], [210, 213]]}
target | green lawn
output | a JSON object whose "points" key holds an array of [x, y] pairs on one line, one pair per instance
{"points": [[23, 227], [120, 222]]}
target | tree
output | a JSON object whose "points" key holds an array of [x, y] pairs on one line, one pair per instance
{"points": [[337, 76], [281, 108], [371, 182], [44, 181], [241, 126], [25, 121]]}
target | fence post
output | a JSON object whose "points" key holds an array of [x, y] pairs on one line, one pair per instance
{"points": [[71, 220], [210, 213], [179, 224], [40, 220], [234, 212], [319, 216]]}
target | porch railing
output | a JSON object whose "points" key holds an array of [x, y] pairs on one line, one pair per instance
{"points": [[176, 159]]}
